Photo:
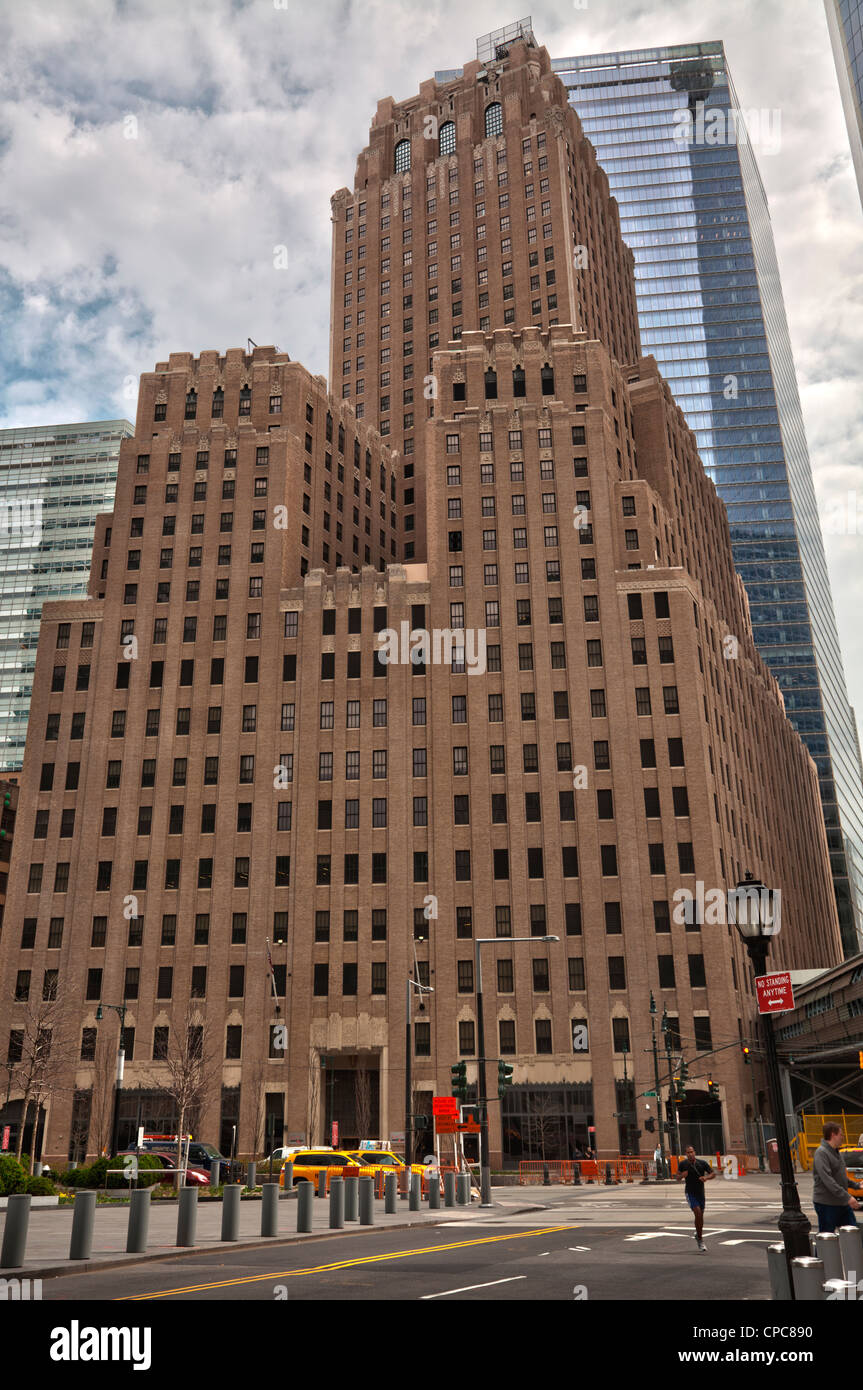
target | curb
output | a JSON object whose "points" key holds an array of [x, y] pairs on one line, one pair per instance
{"points": [[218, 1247]]}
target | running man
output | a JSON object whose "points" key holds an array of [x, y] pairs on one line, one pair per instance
{"points": [[696, 1172]]}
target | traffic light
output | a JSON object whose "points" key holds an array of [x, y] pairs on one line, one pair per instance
{"points": [[504, 1078], [712, 1089], [459, 1080], [747, 1055], [650, 1124]]}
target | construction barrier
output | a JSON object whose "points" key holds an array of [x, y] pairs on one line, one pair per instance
{"points": [[562, 1170]]}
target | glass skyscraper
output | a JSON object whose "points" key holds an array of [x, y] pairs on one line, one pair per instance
{"points": [[845, 23], [694, 212], [54, 480]]}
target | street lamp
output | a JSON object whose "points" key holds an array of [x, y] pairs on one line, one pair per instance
{"points": [[661, 1166], [482, 1091], [421, 990], [120, 1010], [754, 910]]}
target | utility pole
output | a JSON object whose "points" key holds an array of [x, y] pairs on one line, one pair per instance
{"points": [[667, 1036], [661, 1174]]}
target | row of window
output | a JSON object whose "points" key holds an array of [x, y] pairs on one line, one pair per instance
{"points": [[422, 926]]}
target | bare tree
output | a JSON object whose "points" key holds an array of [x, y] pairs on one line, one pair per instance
{"points": [[314, 1093], [103, 1093], [363, 1099], [190, 1067], [43, 1058], [543, 1127]]}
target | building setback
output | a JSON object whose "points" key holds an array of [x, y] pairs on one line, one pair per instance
{"points": [[257, 817]]}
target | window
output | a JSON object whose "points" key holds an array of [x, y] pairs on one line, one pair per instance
{"points": [[616, 972], [379, 977], [542, 1027], [466, 1039]]}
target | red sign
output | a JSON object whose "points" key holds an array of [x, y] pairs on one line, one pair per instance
{"points": [[335, 1139], [775, 995], [446, 1124], [444, 1105], [470, 1127], [6, 1136]]}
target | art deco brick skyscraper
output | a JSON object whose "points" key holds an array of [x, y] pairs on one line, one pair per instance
{"points": [[478, 204], [303, 825]]}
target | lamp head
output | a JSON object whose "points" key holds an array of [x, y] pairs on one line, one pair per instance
{"points": [[754, 909]]}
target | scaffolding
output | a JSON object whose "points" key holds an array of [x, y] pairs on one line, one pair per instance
{"points": [[490, 48]]}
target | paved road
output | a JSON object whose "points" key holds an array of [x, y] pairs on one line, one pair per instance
{"points": [[630, 1245]]}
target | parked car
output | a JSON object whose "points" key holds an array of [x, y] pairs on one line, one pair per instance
{"points": [[280, 1156], [195, 1177], [385, 1161], [199, 1154], [853, 1156], [309, 1162]]}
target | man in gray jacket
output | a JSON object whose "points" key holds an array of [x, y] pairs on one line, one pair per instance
{"points": [[833, 1205]]}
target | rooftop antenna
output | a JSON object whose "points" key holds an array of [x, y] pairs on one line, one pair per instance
{"points": [[250, 343]]}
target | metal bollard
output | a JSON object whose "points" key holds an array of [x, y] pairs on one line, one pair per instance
{"points": [[15, 1231], [391, 1194], [415, 1192], [252, 1175], [322, 1182], [462, 1190], [37, 1170], [808, 1276], [828, 1250], [449, 1189], [270, 1209], [337, 1204], [546, 1180], [851, 1248], [305, 1206], [609, 1181], [288, 1171], [434, 1190], [187, 1215], [777, 1269], [139, 1222], [367, 1200], [215, 1173], [231, 1211], [352, 1194], [576, 1175], [83, 1215]]}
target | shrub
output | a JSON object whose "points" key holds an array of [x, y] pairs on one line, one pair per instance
{"points": [[149, 1171], [12, 1176], [40, 1187]]}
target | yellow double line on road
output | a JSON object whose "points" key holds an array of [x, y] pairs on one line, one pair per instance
{"points": [[341, 1264]]}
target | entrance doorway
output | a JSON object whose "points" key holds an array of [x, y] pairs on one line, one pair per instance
{"points": [[350, 1098]]}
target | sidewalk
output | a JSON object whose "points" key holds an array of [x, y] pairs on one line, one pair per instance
{"points": [[51, 1229]]}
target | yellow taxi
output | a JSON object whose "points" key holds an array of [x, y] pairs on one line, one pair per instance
{"points": [[385, 1161], [309, 1162], [853, 1156]]}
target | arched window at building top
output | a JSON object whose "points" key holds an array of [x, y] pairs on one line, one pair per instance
{"points": [[447, 138], [494, 119], [403, 156]]}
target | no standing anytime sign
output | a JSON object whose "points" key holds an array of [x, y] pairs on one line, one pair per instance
{"points": [[775, 995]]}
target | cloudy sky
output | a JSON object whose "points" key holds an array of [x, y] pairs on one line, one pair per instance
{"points": [[152, 155]]}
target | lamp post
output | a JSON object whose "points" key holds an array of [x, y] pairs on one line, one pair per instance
{"points": [[482, 1089], [661, 1174], [674, 1129], [120, 1010], [421, 989], [754, 910]]}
